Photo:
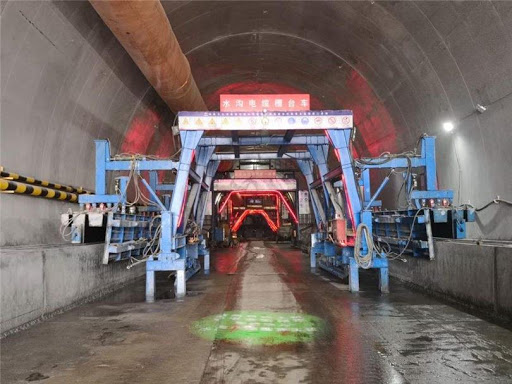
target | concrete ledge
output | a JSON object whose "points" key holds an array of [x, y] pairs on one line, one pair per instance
{"points": [[38, 281], [472, 275]]}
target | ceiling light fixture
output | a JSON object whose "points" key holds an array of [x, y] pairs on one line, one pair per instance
{"points": [[448, 126]]}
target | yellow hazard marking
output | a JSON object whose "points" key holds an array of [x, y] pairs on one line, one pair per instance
{"points": [[37, 191], [21, 188], [31, 180], [51, 194]]}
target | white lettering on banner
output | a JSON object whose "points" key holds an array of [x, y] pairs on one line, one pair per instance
{"points": [[252, 103], [278, 103], [226, 103], [291, 103], [265, 103], [239, 103]]}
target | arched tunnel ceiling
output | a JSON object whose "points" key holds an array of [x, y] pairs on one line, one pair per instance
{"points": [[402, 66]]}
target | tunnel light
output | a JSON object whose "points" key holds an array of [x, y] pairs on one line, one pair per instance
{"points": [[481, 108], [448, 126]]}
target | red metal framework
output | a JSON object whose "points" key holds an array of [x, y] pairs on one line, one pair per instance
{"points": [[247, 212], [277, 194]]}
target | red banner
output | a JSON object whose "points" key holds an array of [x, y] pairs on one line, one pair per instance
{"points": [[259, 103]]}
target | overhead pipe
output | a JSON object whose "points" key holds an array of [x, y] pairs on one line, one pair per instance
{"points": [[143, 29], [9, 186], [30, 180]]}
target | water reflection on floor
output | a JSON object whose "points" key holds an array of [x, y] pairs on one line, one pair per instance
{"points": [[262, 317]]}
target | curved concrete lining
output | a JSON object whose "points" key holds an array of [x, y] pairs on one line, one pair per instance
{"points": [[404, 67]]}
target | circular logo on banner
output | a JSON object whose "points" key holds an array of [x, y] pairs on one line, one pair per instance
{"points": [[291, 120], [304, 120], [318, 120], [332, 120], [252, 121], [345, 121], [264, 121], [278, 120]]}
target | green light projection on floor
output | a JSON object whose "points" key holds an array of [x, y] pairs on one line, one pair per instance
{"points": [[259, 328]]}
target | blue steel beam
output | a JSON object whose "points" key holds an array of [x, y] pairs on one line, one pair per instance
{"points": [[102, 157], [263, 140], [426, 159], [236, 148], [189, 141], [261, 156], [141, 165], [287, 138], [203, 157], [200, 210], [307, 170], [320, 153], [341, 142]]}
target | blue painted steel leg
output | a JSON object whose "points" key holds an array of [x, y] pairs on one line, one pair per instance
{"points": [[150, 286], [384, 280], [313, 252], [203, 251], [353, 276], [207, 263], [180, 284], [189, 141]]}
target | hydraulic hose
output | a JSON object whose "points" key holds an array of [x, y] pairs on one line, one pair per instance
{"points": [[364, 261]]}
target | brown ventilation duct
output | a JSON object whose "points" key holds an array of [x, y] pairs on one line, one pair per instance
{"points": [[142, 27]]}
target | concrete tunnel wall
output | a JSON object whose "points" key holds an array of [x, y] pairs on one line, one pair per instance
{"points": [[66, 81], [403, 67]]}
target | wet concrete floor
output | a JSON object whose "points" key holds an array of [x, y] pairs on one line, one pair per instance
{"points": [[403, 337]]}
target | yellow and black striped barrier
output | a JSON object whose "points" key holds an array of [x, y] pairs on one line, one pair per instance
{"points": [[33, 190], [30, 180]]}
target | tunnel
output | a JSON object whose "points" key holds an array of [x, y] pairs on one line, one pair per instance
{"points": [[264, 224]]}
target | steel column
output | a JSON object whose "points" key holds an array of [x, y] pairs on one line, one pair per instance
{"points": [[203, 157], [307, 170], [211, 170], [320, 154], [341, 141], [189, 141]]}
